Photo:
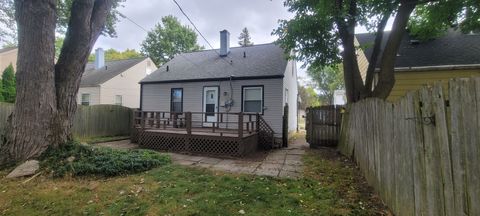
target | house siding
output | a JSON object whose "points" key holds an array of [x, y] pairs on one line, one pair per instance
{"points": [[7, 58], [362, 61], [414, 80], [94, 94], [290, 83], [127, 85], [156, 97]]}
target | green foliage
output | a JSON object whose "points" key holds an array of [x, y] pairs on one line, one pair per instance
{"points": [[58, 46], [7, 19], [9, 85], [308, 96], [311, 33], [112, 54], [90, 160], [244, 38], [433, 19], [327, 79], [169, 39]]}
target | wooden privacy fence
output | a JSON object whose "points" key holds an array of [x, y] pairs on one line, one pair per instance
{"points": [[421, 154], [323, 125], [102, 120], [90, 121]]}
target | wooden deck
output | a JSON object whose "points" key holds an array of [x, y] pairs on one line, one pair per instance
{"points": [[232, 134]]}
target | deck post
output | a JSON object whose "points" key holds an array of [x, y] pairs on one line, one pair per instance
{"points": [[257, 129], [240, 125], [188, 119], [142, 119]]}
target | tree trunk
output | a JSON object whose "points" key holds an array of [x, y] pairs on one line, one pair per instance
{"points": [[28, 131], [46, 93], [387, 65], [376, 50], [354, 86]]}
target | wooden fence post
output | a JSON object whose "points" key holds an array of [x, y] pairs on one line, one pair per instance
{"points": [[240, 125], [285, 126]]}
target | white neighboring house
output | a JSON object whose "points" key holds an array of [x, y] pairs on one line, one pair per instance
{"points": [[113, 82], [8, 56]]}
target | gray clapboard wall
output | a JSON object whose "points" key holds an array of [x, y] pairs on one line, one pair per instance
{"points": [[90, 121], [421, 154]]}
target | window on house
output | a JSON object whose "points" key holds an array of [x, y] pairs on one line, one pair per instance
{"points": [[86, 99], [176, 100], [118, 100], [252, 100]]}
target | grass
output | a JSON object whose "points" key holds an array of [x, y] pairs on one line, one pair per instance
{"points": [[94, 140], [331, 186]]}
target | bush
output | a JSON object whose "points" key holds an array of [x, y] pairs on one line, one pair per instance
{"points": [[78, 160]]}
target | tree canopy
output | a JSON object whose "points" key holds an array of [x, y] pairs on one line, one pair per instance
{"points": [[327, 80], [322, 33], [308, 96], [244, 39], [169, 39], [112, 54], [8, 26]]}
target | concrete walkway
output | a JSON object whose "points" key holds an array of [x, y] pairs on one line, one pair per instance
{"points": [[283, 163]]}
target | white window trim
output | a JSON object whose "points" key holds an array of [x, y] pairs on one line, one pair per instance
{"points": [[87, 101], [261, 96], [121, 100]]}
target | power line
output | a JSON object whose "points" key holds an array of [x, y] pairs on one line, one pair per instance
{"points": [[141, 27], [200, 33], [193, 24]]}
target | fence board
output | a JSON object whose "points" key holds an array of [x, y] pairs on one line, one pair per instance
{"points": [[90, 121], [457, 118], [421, 154]]}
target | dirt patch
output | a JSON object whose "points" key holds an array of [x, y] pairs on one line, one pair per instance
{"points": [[344, 175]]}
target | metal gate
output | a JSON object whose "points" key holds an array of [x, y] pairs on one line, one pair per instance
{"points": [[323, 125]]}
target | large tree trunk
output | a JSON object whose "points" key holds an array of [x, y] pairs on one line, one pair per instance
{"points": [[386, 77], [354, 86], [28, 131], [46, 93]]}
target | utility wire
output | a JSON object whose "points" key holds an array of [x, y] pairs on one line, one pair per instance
{"points": [[200, 33]]}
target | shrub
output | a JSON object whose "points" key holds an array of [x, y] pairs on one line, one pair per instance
{"points": [[77, 160]]}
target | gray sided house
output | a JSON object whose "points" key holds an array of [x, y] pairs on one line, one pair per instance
{"points": [[250, 79]]}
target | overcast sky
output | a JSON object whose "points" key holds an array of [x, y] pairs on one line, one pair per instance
{"points": [[210, 16]]}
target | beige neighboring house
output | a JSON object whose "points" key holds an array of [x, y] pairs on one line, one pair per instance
{"points": [[8, 56], [113, 82]]}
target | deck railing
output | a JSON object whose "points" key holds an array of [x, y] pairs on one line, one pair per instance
{"points": [[218, 123]]}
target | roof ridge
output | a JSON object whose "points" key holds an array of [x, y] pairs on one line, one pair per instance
{"points": [[237, 47]]}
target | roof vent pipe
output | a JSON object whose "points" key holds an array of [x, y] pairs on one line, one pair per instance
{"points": [[244, 54], [224, 43], [99, 58]]}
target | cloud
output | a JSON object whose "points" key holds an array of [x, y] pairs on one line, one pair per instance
{"points": [[210, 16]]}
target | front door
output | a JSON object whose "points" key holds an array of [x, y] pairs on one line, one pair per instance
{"points": [[210, 105]]}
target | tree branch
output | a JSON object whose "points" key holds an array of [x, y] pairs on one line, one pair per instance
{"points": [[376, 49], [386, 75]]}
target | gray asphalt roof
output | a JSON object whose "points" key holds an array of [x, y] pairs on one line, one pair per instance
{"points": [[260, 61], [94, 77], [453, 48]]}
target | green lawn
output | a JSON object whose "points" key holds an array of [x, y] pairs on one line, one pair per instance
{"points": [[331, 186]]}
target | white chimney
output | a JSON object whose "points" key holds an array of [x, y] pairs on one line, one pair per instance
{"points": [[224, 43], [99, 58]]}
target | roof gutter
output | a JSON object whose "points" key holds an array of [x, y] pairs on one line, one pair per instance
{"points": [[435, 68], [215, 79]]}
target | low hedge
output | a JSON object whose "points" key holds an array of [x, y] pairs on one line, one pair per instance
{"points": [[79, 160]]}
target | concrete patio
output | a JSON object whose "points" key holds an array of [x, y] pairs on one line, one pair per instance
{"points": [[283, 163]]}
